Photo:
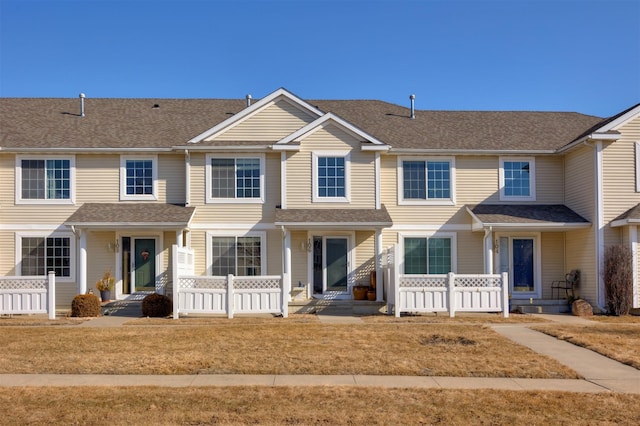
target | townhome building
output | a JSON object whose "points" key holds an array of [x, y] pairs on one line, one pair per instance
{"points": [[314, 191]]}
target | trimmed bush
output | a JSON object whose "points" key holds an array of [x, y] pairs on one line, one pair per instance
{"points": [[618, 279], [156, 305], [85, 305]]}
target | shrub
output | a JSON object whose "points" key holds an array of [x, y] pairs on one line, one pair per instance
{"points": [[156, 305], [618, 279], [85, 305]]}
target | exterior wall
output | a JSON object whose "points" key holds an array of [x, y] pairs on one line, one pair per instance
{"points": [[299, 258], [270, 124], [553, 261], [581, 254], [365, 256], [242, 213], [299, 185]]}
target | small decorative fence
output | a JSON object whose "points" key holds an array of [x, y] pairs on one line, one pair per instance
{"points": [[28, 295], [194, 294], [445, 293]]}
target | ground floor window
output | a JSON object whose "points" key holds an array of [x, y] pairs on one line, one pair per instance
{"points": [[39, 255], [427, 255], [237, 255]]}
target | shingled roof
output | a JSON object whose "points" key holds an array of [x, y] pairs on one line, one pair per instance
{"points": [[138, 215], [165, 123]]}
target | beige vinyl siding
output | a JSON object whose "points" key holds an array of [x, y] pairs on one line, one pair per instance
{"points": [[552, 257], [365, 256], [242, 213], [99, 258], [549, 180], [580, 254], [7, 182], [299, 258], [171, 179], [299, 170], [269, 124], [274, 244], [7, 254], [198, 243], [470, 256], [580, 182], [97, 179]]}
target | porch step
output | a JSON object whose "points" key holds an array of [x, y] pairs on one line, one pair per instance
{"points": [[337, 307], [542, 309]]}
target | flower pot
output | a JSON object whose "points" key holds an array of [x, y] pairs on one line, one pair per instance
{"points": [[105, 295], [371, 295], [359, 292]]}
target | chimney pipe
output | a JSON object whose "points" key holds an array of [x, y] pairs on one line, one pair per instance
{"points": [[82, 104], [413, 111], [248, 100]]}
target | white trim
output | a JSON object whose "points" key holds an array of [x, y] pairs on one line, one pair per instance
{"points": [[620, 121], [39, 234], [532, 179], [347, 176], [72, 180], [252, 110], [429, 228], [598, 164], [453, 236], [451, 201], [537, 262], [36, 227], [236, 233], [376, 163], [351, 257], [187, 178], [211, 200], [633, 243], [123, 178]]}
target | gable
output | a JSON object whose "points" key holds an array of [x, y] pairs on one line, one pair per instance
{"points": [[269, 124], [330, 136]]}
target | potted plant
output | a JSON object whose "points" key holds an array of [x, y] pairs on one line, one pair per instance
{"points": [[104, 286]]}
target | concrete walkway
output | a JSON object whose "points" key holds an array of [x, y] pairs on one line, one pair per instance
{"points": [[600, 373]]}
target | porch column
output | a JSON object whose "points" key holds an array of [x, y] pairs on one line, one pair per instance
{"points": [[286, 266], [488, 251], [179, 238], [82, 263], [379, 254]]}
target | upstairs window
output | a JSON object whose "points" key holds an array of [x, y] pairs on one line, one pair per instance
{"points": [[45, 180], [138, 178], [236, 179], [331, 177], [517, 179], [426, 181]]}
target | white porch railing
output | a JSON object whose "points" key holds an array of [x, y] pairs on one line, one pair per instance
{"points": [[28, 295], [444, 293], [223, 295]]}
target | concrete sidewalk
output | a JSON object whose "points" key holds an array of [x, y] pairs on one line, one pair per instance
{"points": [[426, 382]]}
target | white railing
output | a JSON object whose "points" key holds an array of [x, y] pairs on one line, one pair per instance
{"points": [[195, 294], [445, 293], [28, 295]]}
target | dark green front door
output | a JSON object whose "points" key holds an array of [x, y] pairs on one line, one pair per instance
{"points": [[145, 264]]}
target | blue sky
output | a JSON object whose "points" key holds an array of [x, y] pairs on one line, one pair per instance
{"points": [[563, 55]]}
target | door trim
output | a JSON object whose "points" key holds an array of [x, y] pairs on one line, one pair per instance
{"points": [[351, 256], [158, 237], [537, 262]]}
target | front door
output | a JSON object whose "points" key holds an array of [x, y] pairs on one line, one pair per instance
{"points": [[330, 265], [517, 257], [144, 264]]}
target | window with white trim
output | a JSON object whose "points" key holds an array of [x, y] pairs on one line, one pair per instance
{"points": [[426, 180], [138, 177], [47, 179], [433, 254], [37, 255], [331, 176], [235, 178], [517, 179], [240, 255]]}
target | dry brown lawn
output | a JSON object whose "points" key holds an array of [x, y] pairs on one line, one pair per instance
{"points": [[255, 346], [614, 340], [622, 319], [310, 405]]}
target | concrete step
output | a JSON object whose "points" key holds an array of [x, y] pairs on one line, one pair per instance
{"points": [[542, 309]]}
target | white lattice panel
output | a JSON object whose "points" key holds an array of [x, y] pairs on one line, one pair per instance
{"points": [[257, 283], [423, 281], [478, 281], [218, 283], [23, 283]]}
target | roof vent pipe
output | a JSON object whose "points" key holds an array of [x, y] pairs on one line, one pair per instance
{"points": [[248, 100], [82, 104], [413, 110]]}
